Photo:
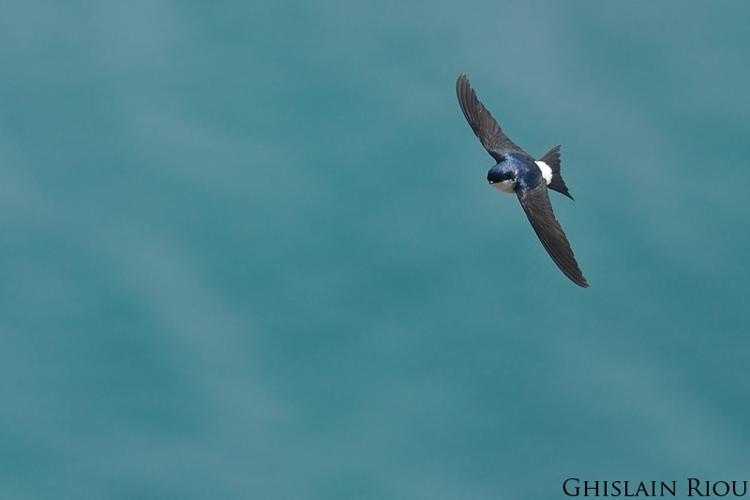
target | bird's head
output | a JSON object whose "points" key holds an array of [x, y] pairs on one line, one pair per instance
{"points": [[501, 178]]}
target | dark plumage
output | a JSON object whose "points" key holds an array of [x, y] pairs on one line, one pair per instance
{"points": [[518, 172]]}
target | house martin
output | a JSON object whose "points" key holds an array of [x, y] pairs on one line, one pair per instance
{"points": [[518, 172]]}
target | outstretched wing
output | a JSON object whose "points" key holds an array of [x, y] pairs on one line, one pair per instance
{"points": [[536, 204], [482, 123]]}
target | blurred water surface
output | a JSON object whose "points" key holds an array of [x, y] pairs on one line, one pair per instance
{"points": [[249, 251]]}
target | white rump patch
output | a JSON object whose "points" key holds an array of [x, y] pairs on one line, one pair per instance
{"points": [[546, 171], [505, 186]]}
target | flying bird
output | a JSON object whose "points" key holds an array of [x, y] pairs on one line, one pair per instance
{"points": [[518, 172]]}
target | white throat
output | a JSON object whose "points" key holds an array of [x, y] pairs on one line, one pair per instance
{"points": [[546, 171], [505, 186]]}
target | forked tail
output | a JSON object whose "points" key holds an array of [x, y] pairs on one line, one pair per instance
{"points": [[552, 159]]}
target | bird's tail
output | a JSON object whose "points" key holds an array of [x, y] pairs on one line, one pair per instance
{"points": [[552, 158]]}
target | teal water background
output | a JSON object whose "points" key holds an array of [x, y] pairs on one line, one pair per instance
{"points": [[248, 249]]}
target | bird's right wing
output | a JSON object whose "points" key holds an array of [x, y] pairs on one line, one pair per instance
{"points": [[482, 123], [536, 204]]}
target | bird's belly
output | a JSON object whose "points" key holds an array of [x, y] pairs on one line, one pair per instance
{"points": [[504, 186]]}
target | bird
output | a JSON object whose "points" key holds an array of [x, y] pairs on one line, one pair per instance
{"points": [[518, 172]]}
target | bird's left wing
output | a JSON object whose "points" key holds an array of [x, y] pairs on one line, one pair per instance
{"points": [[536, 204], [482, 123]]}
